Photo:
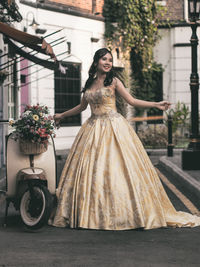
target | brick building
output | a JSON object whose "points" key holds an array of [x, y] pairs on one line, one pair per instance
{"points": [[83, 6], [175, 9]]}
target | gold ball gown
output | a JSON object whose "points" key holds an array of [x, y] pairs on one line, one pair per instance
{"points": [[108, 181]]}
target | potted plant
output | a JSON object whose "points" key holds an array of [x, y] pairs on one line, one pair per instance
{"points": [[33, 129]]}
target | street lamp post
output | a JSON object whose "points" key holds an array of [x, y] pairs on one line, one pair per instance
{"points": [[191, 156]]}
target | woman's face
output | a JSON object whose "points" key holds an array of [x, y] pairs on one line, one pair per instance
{"points": [[105, 63]]}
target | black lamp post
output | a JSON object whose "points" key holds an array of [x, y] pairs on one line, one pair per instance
{"points": [[191, 156]]}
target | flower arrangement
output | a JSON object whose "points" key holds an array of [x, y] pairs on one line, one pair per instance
{"points": [[35, 125]]}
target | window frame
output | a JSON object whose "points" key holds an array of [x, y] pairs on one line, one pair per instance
{"points": [[69, 122]]}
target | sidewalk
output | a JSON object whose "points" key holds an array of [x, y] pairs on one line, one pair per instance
{"points": [[188, 181]]}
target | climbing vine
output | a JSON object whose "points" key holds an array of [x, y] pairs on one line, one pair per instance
{"points": [[132, 26]]}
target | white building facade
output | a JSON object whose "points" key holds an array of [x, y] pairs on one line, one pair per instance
{"points": [[173, 51], [79, 37], [79, 33]]}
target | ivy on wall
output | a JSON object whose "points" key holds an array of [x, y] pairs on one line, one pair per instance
{"points": [[132, 25]]}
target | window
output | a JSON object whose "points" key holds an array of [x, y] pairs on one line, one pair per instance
{"points": [[67, 92], [23, 78]]}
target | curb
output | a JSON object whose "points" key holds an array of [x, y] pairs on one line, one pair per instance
{"points": [[186, 180], [162, 151]]}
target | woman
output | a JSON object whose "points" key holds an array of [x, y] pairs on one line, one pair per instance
{"points": [[108, 181]]}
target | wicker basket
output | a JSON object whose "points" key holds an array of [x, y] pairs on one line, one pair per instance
{"points": [[29, 148]]}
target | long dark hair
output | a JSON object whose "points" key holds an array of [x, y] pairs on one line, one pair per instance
{"points": [[93, 69]]}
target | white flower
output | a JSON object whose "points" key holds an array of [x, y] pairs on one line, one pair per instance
{"points": [[26, 113]]}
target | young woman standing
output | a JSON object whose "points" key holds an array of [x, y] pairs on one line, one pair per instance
{"points": [[108, 181]]}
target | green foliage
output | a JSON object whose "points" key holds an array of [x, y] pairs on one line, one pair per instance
{"points": [[180, 124], [180, 115], [132, 25], [146, 85], [154, 136]]}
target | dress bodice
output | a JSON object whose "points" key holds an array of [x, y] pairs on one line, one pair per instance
{"points": [[101, 101]]}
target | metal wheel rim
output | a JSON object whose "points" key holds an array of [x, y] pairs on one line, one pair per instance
{"points": [[26, 216]]}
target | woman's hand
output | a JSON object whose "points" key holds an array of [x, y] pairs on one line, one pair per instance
{"points": [[57, 118], [163, 105]]}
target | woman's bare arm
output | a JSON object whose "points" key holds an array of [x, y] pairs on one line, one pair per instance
{"points": [[163, 105], [71, 112]]}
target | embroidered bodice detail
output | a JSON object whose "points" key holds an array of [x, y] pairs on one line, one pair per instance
{"points": [[101, 101]]}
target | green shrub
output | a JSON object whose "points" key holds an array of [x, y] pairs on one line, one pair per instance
{"points": [[154, 136]]}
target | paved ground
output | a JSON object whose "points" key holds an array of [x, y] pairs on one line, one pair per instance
{"points": [[65, 247], [80, 248]]}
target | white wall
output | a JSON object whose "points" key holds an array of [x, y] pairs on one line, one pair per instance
{"points": [[78, 31], [176, 62]]}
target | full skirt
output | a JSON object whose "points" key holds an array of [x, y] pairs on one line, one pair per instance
{"points": [[109, 182]]}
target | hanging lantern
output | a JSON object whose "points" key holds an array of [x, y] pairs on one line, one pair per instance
{"points": [[193, 10]]}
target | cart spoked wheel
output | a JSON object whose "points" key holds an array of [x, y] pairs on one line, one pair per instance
{"points": [[35, 207]]}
